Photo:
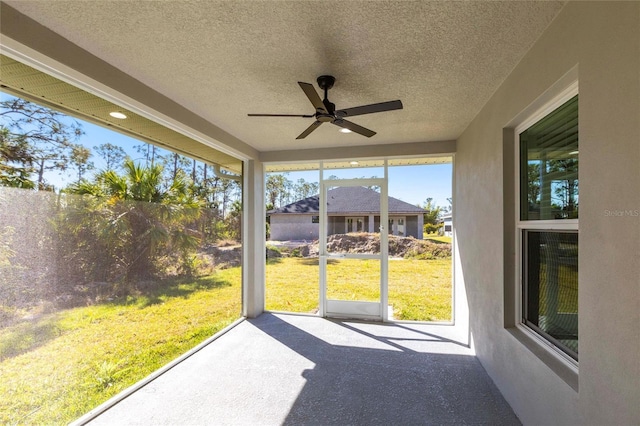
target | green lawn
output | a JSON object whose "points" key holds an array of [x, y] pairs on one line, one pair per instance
{"points": [[293, 284], [57, 366], [565, 291], [419, 290], [437, 238]]}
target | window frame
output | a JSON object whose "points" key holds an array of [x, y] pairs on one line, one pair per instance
{"points": [[356, 220], [393, 228], [553, 225]]}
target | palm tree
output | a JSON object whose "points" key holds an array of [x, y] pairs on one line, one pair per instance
{"points": [[142, 218]]}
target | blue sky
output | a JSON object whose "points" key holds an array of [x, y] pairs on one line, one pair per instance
{"points": [[413, 184]]}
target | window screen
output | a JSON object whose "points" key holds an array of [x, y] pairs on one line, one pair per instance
{"points": [[551, 286]]}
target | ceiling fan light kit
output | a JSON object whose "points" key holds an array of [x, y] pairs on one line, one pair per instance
{"points": [[326, 111]]}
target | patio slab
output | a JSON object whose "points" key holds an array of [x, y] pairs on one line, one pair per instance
{"points": [[303, 370]]}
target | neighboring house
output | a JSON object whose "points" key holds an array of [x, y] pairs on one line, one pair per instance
{"points": [[350, 209], [447, 225]]}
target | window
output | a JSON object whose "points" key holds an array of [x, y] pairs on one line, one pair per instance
{"points": [[354, 224], [397, 226], [547, 223], [315, 219]]}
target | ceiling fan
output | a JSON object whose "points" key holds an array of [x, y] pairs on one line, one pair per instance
{"points": [[326, 111]]}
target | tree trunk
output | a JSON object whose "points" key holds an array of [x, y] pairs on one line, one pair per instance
{"points": [[41, 174]]}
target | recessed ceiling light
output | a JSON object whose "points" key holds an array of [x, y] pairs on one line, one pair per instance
{"points": [[353, 163], [117, 114], [573, 153], [343, 130]]}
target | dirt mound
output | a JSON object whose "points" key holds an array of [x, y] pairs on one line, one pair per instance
{"points": [[405, 247], [223, 257]]}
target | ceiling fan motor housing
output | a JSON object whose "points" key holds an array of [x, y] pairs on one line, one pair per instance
{"points": [[325, 82]]}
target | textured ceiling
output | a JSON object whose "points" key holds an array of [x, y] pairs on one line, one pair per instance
{"points": [[223, 60]]}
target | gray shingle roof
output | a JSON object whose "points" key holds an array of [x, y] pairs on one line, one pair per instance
{"points": [[348, 199]]}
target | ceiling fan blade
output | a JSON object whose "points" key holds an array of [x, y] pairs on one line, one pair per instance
{"points": [[313, 96], [354, 127], [310, 129], [281, 115], [369, 109]]}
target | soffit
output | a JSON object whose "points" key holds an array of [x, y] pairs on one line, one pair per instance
{"points": [[356, 163], [26, 82], [223, 60]]}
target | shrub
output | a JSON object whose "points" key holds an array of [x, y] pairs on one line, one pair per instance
{"points": [[430, 228], [273, 252]]}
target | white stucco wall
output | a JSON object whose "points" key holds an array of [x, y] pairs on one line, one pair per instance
{"points": [[601, 41]]}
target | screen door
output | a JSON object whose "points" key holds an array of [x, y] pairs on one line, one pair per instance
{"points": [[353, 248]]}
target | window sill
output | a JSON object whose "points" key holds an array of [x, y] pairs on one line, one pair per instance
{"points": [[558, 362]]}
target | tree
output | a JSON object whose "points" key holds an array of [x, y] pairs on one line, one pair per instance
{"points": [[16, 161], [134, 218], [228, 193], [175, 163], [112, 155], [559, 180], [149, 153], [36, 140], [304, 189], [432, 216], [80, 159], [277, 189], [566, 189], [533, 184], [448, 208], [280, 191]]}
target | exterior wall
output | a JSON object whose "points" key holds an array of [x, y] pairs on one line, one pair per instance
{"points": [[286, 227], [336, 225], [447, 227], [412, 227], [600, 42]]}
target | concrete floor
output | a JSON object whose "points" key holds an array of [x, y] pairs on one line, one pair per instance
{"points": [[303, 370]]}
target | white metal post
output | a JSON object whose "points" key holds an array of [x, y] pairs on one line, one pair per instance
{"points": [[384, 246]]}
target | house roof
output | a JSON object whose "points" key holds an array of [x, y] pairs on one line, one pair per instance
{"points": [[348, 200]]}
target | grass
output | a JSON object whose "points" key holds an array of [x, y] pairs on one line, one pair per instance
{"points": [[438, 238], [55, 368], [293, 284], [566, 289], [353, 279], [419, 290]]}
